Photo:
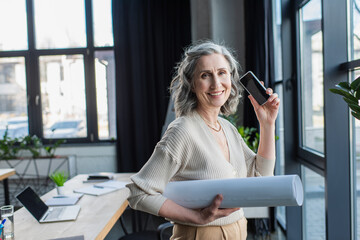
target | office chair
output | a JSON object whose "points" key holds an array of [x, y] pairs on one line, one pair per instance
{"points": [[141, 230]]}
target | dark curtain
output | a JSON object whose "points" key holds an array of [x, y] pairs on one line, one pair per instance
{"points": [[149, 39], [259, 59], [259, 49]]}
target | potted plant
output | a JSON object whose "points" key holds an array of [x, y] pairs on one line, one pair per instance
{"points": [[59, 178], [50, 149], [351, 95]]}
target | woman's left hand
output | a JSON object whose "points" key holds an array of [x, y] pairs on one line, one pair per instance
{"points": [[267, 113]]}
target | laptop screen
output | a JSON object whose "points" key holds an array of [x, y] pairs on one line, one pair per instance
{"points": [[32, 202]]}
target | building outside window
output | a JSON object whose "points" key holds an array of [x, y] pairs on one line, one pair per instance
{"points": [[57, 70]]}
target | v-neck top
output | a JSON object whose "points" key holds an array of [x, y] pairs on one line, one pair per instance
{"points": [[189, 151]]}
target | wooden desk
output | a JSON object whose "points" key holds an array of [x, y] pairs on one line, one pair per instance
{"points": [[97, 216], [4, 174]]}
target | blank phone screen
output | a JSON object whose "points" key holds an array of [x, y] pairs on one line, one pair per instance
{"points": [[254, 87]]}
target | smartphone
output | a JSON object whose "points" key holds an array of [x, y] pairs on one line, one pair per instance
{"points": [[254, 87]]}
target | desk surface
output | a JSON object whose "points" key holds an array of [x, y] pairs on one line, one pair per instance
{"points": [[6, 172], [97, 216]]}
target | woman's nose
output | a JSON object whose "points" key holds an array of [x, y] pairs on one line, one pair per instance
{"points": [[215, 82]]}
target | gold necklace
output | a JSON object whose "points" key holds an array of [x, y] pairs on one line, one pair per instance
{"points": [[213, 128]]}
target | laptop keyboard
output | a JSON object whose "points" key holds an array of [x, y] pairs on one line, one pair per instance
{"points": [[54, 213]]}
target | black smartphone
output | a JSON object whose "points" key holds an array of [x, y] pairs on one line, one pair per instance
{"points": [[254, 87]]}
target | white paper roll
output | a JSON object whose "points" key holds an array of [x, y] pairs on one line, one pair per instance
{"points": [[284, 190]]}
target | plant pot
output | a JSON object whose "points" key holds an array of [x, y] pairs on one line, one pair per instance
{"points": [[60, 190]]}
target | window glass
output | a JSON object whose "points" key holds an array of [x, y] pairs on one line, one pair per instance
{"points": [[280, 158], [314, 205], [13, 26], [355, 30], [312, 97], [63, 96], [105, 93], [13, 106], [59, 24], [280, 151], [102, 23], [356, 159], [277, 39]]}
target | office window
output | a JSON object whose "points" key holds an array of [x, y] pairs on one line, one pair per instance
{"points": [[356, 163], [314, 205], [280, 157], [354, 54], [59, 24], [63, 96], [62, 83], [13, 25], [103, 35], [312, 96], [13, 106], [105, 94], [354, 30]]}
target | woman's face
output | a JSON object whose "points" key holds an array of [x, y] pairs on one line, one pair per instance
{"points": [[212, 81]]}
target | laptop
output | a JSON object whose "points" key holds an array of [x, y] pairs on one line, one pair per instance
{"points": [[44, 213]]}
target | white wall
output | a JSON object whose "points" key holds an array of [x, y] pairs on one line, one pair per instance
{"points": [[92, 158], [222, 21], [79, 159]]}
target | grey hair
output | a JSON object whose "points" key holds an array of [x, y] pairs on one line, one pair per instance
{"points": [[185, 100]]}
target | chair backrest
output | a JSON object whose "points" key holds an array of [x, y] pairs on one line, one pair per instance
{"points": [[170, 116]]}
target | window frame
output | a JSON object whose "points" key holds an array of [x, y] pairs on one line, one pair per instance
{"points": [[32, 55], [309, 157], [338, 180]]}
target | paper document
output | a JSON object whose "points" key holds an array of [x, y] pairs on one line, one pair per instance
{"points": [[80, 237], [286, 190], [112, 184], [102, 188], [93, 190], [64, 200]]}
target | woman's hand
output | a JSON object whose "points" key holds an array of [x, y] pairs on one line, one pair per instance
{"points": [[175, 212], [213, 212], [267, 113]]}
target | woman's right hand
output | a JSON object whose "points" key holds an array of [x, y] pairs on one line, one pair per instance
{"points": [[213, 212]]}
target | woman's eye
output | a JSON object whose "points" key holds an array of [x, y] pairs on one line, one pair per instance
{"points": [[222, 73], [205, 75]]}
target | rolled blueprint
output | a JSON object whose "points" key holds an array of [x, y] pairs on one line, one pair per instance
{"points": [[284, 190]]}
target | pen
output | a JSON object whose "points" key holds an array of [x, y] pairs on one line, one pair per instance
{"points": [[2, 225], [60, 196], [98, 186]]}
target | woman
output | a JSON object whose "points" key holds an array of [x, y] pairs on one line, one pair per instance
{"points": [[199, 144]]}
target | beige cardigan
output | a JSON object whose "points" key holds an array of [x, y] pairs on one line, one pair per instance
{"points": [[188, 151]]}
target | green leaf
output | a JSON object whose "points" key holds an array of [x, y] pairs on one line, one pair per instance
{"points": [[344, 85], [354, 107], [356, 115], [350, 101], [355, 85], [343, 93], [59, 178]]}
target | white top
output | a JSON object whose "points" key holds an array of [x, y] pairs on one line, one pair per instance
{"points": [[189, 151]]}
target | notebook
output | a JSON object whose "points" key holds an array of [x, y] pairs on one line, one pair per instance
{"points": [[44, 213], [102, 188], [64, 200]]}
